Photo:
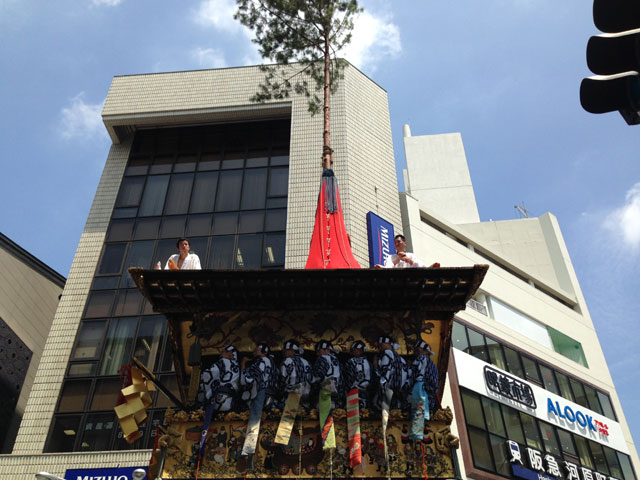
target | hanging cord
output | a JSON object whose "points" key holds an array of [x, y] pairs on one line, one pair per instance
{"points": [[300, 450], [331, 463], [424, 465], [198, 468]]}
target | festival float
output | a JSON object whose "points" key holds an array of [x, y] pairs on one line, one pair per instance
{"points": [[330, 434]]}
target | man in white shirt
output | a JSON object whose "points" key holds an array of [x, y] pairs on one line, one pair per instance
{"points": [[182, 260], [402, 258]]}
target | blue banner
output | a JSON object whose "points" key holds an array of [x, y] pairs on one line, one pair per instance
{"points": [[123, 473], [527, 474], [380, 235]]}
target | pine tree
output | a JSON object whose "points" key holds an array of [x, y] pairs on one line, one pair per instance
{"points": [[309, 32]]}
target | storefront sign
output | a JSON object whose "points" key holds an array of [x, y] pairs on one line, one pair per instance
{"points": [[541, 466], [380, 235], [502, 387], [509, 387], [125, 473]]}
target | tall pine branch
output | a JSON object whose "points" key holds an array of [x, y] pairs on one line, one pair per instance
{"points": [[306, 32]]}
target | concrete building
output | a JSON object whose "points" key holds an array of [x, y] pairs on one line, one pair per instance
{"points": [[29, 292], [528, 324], [177, 136]]}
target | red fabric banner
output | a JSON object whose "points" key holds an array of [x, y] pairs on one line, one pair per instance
{"points": [[330, 245]]}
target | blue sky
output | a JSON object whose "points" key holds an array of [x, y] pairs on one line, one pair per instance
{"points": [[504, 73]]}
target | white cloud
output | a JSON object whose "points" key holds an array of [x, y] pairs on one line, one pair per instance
{"points": [[81, 119], [108, 3], [373, 39], [218, 14], [209, 57], [624, 222]]}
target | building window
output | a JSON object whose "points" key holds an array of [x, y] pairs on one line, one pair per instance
{"points": [[488, 437], [225, 188], [506, 358]]}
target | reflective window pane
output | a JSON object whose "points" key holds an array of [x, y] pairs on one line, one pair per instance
{"points": [[493, 416], [612, 462], [254, 189], [73, 396], [607, 408], [251, 222], [480, 449], [278, 182], [130, 191], [112, 257], [225, 223], [249, 251], [276, 202], [64, 432], [179, 194], [209, 161], [598, 457], [198, 225], [531, 370], [495, 353], [583, 451], [459, 337], [477, 348], [501, 460], [82, 369], [549, 438], [119, 343], [513, 424], [172, 227], [204, 192], [128, 303], [149, 340], [274, 247], [625, 465], [472, 409], [530, 431], [153, 197], [124, 212], [564, 387], [578, 393], [97, 432], [171, 383], [146, 228], [89, 340], [229, 187], [275, 220], [161, 164], [120, 230], [566, 442], [138, 166], [221, 253], [139, 256], [106, 394], [185, 163], [199, 246], [164, 250], [513, 361], [549, 379], [99, 303], [105, 283], [592, 399]]}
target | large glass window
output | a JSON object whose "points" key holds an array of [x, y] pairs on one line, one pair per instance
{"points": [[527, 368], [488, 435], [222, 186]]}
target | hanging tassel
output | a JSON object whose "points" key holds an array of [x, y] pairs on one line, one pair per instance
{"points": [[424, 464], [330, 185], [300, 451]]}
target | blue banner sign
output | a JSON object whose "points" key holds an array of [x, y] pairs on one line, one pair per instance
{"points": [[123, 473], [380, 234], [527, 474]]}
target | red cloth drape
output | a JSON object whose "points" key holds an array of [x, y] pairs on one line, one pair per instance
{"points": [[330, 246]]}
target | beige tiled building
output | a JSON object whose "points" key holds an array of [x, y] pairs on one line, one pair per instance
{"points": [[180, 130]]}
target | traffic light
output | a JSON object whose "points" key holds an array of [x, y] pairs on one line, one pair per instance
{"points": [[615, 58]]}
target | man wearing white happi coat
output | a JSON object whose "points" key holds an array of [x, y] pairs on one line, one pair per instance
{"points": [[262, 374], [392, 373], [326, 371], [357, 372], [295, 371], [219, 382]]}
